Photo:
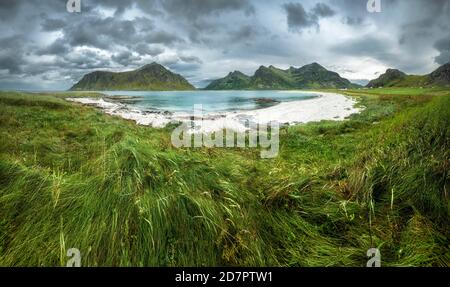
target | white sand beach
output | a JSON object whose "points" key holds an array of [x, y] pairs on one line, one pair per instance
{"points": [[327, 106]]}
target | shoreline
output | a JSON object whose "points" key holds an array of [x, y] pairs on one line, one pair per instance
{"points": [[326, 106]]}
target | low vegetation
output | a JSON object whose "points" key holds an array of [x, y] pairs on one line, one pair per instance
{"points": [[71, 176]]}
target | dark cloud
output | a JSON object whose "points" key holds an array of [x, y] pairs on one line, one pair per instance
{"points": [[427, 18], [190, 59], [12, 54], [83, 60], [195, 9], [245, 33], [100, 32], [58, 47], [9, 9], [126, 58], [298, 18], [145, 49], [323, 10], [353, 21], [12, 65], [162, 37], [368, 46], [53, 24], [443, 46], [202, 20]]}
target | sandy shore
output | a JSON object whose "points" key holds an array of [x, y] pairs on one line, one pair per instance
{"points": [[327, 106]]}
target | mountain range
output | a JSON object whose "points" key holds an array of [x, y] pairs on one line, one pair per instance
{"points": [[155, 77], [396, 78], [312, 76], [151, 77]]}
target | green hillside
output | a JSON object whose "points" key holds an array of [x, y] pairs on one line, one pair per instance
{"points": [[152, 77], [311, 76], [396, 78], [388, 79], [233, 81]]}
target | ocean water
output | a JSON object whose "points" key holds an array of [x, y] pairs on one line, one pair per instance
{"points": [[211, 101]]}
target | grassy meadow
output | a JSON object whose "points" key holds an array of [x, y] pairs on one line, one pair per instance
{"points": [[71, 176]]}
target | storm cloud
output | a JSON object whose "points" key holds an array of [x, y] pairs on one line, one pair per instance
{"points": [[45, 47], [298, 18]]}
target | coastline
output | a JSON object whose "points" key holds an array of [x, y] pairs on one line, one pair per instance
{"points": [[326, 106]]}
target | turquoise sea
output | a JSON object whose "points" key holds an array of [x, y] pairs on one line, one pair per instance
{"points": [[211, 101]]}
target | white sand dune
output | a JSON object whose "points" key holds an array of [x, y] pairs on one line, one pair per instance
{"points": [[327, 106]]}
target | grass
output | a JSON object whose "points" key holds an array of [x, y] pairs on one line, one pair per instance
{"points": [[71, 176]]}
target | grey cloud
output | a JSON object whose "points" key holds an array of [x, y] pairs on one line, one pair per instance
{"points": [[323, 10], [9, 9], [443, 58], [368, 46], [201, 20], [245, 33], [145, 49], [13, 65], [194, 9], [12, 43], [190, 59], [53, 24], [126, 58], [119, 5], [100, 33], [443, 46], [12, 54], [85, 60], [162, 37], [353, 21], [298, 18], [181, 67], [56, 48]]}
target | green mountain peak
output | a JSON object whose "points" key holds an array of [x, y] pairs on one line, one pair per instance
{"points": [[396, 78], [151, 77], [272, 78]]}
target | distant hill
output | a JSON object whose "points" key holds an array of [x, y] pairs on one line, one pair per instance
{"points": [[389, 78], [151, 77], [233, 81], [440, 76], [396, 78], [312, 76]]}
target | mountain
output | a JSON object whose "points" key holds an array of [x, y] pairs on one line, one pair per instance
{"points": [[441, 76], [233, 81], [316, 76], [388, 79], [396, 78], [311, 76], [151, 77]]}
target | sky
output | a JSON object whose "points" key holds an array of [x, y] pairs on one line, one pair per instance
{"points": [[44, 47]]}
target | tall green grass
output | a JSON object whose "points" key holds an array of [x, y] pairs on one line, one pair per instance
{"points": [[71, 176]]}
